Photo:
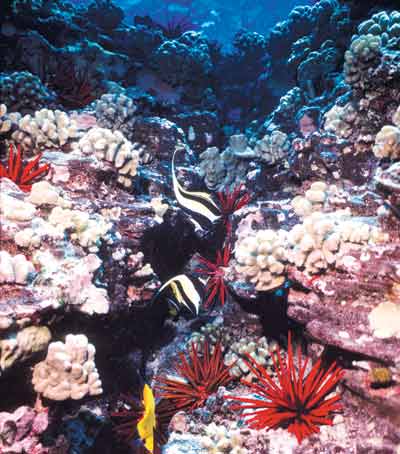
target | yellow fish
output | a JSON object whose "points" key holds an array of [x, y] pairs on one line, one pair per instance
{"points": [[147, 423]]}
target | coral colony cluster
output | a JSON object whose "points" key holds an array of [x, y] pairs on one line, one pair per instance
{"points": [[199, 243]]}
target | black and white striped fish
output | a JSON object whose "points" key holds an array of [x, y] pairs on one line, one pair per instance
{"points": [[187, 292], [199, 204]]}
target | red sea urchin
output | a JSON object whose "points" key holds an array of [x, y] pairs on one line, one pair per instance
{"points": [[296, 402], [215, 273], [23, 176], [200, 375], [231, 202]]}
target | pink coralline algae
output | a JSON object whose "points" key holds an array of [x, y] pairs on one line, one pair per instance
{"points": [[20, 431]]}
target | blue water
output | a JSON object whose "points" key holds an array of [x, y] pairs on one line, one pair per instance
{"points": [[218, 19]]}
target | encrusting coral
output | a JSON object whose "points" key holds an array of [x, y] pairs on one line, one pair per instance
{"points": [[69, 371], [384, 320]]}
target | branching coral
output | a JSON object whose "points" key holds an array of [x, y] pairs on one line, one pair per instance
{"points": [[385, 25], [297, 401], [363, 53], [23, 175], [387, 141], [190, 53], [199, 376], [114, 148], [6, 121], [273, 147], [84, 228], [258, 348], [222, 170], [314, 198], [262, 258], [322, 238], [116, 112], [219, 440], [45, 129]]}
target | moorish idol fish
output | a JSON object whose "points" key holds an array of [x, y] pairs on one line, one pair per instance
{"points": [[187, 292], [199, 204], [147, 423]]}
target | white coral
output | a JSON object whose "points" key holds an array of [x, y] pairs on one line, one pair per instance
{"points": [[14, 209], [219, 440], [340, 120], [387, 143], [14, 269], [321, 239], [69, 370], [258, 349], [314, 198], [45, 129], [6, 120], [261, 258], [112, 147], [362, 51], [86, 229], [44, 193]]}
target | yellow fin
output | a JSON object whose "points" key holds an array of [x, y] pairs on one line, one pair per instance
{"points": [[147, 423], [176, 292]]}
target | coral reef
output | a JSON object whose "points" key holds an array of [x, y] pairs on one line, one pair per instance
{"points": [[286, 137]]}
